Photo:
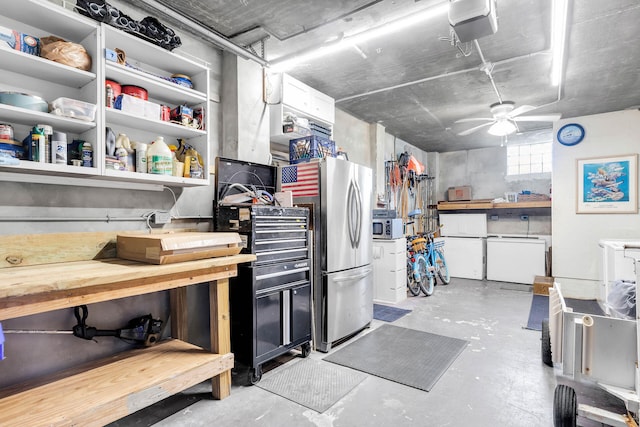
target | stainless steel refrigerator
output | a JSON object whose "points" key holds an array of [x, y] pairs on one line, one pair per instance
{"points": [[339, 194]]}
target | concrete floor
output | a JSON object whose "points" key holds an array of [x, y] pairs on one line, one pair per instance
{"points": [[498, 380]]}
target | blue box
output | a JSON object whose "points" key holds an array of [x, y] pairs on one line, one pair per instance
{"points": [[310, 147], [110, 55], [19, 41]]}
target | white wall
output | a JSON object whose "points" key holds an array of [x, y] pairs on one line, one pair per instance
{"points": [[576, 256]]}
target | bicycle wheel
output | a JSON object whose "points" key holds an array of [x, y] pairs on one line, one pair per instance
{"points": [[427, 279], [412, 283], [441, 266]]}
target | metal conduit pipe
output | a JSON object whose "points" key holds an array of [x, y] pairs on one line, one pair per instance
{"points": [[216, 39], [487, 68], [439, 76]]}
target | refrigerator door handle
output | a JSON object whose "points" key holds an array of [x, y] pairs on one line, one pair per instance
{"points": [[350, 226], [358, 199], [354, 277]]}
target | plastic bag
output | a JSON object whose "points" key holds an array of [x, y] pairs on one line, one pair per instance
{"points": [[64, 52], [622, 299]]}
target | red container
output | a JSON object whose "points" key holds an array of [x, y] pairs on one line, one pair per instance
{"points": [[165, 113], [135, 91], [115, 86]]}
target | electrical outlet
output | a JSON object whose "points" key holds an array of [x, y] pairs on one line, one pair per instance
{"points": [[161, 217], [524, 217], [494, 217]]}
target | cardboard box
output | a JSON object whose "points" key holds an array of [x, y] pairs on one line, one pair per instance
{"points": [[455, 194], [11, 39], [168, 248], [541, 285]]}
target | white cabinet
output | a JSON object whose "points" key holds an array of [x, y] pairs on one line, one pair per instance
{"points": [[290, 96], [389, 270], [149, 66]]}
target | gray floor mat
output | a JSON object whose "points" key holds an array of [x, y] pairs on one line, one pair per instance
{"points": [[406, 356], [311, 383]]}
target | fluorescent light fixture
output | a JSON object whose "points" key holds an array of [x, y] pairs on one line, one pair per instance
{"points": [[559, 14], [351, 41], [502, 127]]}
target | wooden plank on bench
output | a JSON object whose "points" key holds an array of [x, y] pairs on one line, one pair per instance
{"points": [[111, 388]]}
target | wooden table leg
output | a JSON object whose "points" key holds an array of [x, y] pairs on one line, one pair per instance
{"points": [[220, 332], [179, 316]]}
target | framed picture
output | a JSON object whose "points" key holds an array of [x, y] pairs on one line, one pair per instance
{"points": [[608, 185]]}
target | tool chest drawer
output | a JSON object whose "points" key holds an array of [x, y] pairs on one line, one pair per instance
{"points": [[273, 234]]}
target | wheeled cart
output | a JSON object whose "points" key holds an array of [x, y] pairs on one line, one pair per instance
{"points": [[593, 347]]}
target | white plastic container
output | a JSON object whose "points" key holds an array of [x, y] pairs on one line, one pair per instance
{"points": [[159, 159], [141, 157], [74, 108]]}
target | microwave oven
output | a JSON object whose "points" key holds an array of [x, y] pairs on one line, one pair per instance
{"points": [[387, 228]]}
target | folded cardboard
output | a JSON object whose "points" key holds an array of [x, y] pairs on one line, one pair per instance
{"points": [[176, 247], [455, 194], [541, 285]]}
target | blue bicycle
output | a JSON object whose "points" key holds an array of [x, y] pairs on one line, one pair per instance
{"points": [[418, 277], [436, 263]]}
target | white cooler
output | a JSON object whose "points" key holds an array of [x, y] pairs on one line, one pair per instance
{"points": [[517, 260]]}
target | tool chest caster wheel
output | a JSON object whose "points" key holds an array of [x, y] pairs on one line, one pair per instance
{"points": [[255, 375], [306, 349]]}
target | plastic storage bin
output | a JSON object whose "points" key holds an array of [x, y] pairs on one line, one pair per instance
{"points": [[310, 147], [73, 108]]}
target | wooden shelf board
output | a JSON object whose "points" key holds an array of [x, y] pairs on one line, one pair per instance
{"points": [[488, 204], [111, 388], [41, 288]]}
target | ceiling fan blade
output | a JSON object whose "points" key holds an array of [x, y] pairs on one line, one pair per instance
{"points": [[475, 119], [545, 118], [521, 110], [473, 129]]}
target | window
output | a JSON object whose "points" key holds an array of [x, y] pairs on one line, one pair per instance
{"points": [[528, 158]]}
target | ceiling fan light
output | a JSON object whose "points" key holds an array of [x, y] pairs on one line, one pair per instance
{"points": [[502, 128]]}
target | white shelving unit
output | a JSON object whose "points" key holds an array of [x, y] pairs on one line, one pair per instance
{"points": [[149, 67], [49, 80]]}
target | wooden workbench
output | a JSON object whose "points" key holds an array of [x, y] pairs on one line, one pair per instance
{"points": [[106, 390]]}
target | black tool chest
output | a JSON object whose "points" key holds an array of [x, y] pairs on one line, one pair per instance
{"points": [[271, 297]]}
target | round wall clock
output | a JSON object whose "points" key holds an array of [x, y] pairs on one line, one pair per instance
{"points": [[570, 134]]}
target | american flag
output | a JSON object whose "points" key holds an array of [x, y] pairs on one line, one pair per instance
{"points": [[301, 179]]}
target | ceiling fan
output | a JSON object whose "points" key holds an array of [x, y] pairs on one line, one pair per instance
{"points": [[504, 119]]}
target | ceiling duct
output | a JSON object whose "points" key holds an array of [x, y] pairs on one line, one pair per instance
{"points": [[473, 19]]}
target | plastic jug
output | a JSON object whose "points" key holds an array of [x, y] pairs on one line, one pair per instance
{"points": [[159, 160]]}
